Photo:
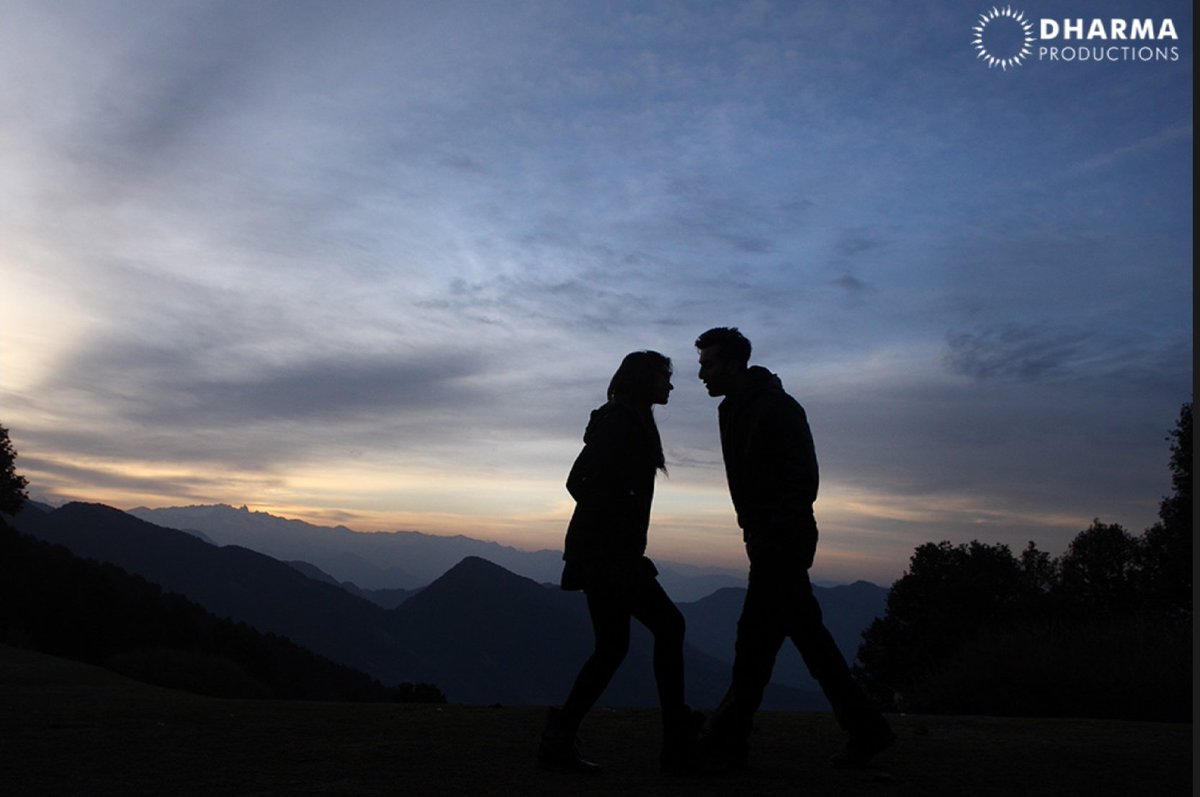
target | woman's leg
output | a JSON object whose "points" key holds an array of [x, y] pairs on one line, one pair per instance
{"points": [[610, 624], [654, 609], [681, 726]]}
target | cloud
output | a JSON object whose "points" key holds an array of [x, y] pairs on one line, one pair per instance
{"points": [[1016, 352], [180, 383], [1147, 145], [1105, 358], [123, 475], [854, 242], [327, 390]]}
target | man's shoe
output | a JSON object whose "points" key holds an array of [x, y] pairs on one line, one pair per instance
{"points": [[865, 745]]}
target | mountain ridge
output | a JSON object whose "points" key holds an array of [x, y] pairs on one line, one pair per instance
{"points": [[480, 633], [848, 608], [395, 559]]}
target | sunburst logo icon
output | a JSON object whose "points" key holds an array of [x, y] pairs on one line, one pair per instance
{"points": [[1003, 38]]}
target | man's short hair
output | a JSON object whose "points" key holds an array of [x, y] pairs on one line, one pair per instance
{"points": [[731, 343]]}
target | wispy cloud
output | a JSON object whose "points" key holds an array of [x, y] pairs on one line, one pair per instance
{"points": [[1019, 352], [1144, 146]]}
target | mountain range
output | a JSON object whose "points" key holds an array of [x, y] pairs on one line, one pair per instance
{"points": [[480, 632], [397, 559]]}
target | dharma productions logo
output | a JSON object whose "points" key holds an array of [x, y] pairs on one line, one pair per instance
{"points": [[1006, 38], [1003, 37]]}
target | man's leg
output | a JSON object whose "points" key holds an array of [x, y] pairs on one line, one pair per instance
{"points": [[869, 732], [759, 637]]}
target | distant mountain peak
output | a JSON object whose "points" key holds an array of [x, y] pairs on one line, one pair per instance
{"points": [[477, 569], [92, 505], [477, 580], [477, 562]]}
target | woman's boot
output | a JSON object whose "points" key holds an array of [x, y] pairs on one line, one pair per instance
{"points": [[559, 747]]}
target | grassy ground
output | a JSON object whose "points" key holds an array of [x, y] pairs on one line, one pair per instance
{"points": [[70, 729]]}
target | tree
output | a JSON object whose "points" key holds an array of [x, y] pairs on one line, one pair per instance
{"points": [[949, 595], [1039, 568], [12, 484], [1101, 569], [973, 629], [1167, 545]]}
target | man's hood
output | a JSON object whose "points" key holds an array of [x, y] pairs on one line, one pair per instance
{"points": [[758, 381], [759, 378]]}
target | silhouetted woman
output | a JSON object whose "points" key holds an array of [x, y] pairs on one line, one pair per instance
{"points": [[612, 482]]}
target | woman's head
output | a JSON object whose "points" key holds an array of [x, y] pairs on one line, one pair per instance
{"points": [[644, 377]]}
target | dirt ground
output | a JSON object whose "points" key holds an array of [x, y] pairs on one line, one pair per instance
{"points": [[70, 729]]}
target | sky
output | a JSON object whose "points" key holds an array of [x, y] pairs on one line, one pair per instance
{"points": [[373, 263]]}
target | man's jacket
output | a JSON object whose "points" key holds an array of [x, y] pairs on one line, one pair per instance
{"points": [[770, 461]]}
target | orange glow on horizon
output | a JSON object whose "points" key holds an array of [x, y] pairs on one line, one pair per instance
{"points": [[864, 535]]}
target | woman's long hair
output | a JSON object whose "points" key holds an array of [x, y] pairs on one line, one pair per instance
{"points": [[633, 383]]}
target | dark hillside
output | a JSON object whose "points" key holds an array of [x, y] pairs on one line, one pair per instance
{"points": [[53, 601], [479, 621], [69, 729], [229, 582], [386, 598]]}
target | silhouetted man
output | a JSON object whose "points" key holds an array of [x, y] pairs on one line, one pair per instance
{"points": [[771, 467]]}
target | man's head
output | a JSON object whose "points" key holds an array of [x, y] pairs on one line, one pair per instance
{"points": [[724, 356]]}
